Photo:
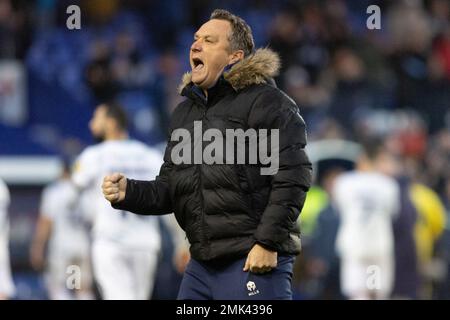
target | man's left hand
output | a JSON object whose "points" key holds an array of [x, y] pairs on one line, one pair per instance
{"points": [[260, 260]]}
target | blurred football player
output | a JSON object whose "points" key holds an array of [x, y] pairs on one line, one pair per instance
{"points": [[125, 246], [61, 229], [7, 288], [367, 201]]}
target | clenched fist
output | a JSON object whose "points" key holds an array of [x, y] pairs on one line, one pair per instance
{"points": [[114, 187], [261, 260]]}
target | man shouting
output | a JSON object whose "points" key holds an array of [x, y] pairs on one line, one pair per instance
{"points": [[240, 223]]}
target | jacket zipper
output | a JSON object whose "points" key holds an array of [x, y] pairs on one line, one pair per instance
{"points": [[203, 222]]}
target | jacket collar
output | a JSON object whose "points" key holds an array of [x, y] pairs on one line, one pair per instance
{"points": [[219, 90]]}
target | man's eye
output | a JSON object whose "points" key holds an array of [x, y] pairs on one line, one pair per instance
{"points": [[208, 40]]}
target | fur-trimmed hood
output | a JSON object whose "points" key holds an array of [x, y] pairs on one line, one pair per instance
{"points": [[255, 69]]}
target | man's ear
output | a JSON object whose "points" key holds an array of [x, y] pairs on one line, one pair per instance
{"points": [[236, 56]]}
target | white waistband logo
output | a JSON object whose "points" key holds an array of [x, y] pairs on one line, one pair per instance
{"points": [[251, 287]]}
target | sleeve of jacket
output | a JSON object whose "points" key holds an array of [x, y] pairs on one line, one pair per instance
{"points": [[273, 109], [149, 197]]}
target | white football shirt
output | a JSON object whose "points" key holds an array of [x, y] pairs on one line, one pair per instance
{"points": [[135, 160], [59, 204], [367, 202]]}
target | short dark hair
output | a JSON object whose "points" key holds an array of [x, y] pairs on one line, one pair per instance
{"points": [[372, 147], [241, 37], [116, 112]]}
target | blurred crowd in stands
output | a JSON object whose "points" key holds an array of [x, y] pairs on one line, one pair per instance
{"points": [[349, 82]]}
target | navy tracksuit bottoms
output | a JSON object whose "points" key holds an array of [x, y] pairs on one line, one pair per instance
{"points": [[207, 281]]}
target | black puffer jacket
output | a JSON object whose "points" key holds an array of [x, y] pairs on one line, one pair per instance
{"points": [[226, 208]]}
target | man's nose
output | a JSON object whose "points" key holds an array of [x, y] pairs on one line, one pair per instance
{"points": [[196, 46]]}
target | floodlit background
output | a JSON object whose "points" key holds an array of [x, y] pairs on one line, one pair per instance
{"points": [[349, 82]]}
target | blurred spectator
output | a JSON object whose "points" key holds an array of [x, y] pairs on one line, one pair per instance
{"points": [[99, 74], [439, 15], [128, 67], [352, 91], [437, 161], [14, 29], [99, 12], [419, 76], [164, 88]]}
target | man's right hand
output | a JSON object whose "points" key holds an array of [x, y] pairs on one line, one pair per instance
{"points": [[114, 187]]}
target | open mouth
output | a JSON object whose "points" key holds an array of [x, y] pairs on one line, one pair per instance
{"points": [[198, 64]]}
